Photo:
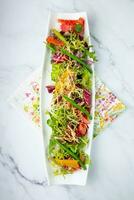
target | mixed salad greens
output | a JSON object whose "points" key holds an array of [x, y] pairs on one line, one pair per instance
{"points": [[70, 114]]}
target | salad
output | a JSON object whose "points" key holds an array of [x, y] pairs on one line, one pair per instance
{"points": [[70, 113]]}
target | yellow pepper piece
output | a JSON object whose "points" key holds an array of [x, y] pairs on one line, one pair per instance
{"points": [[68, 163]]}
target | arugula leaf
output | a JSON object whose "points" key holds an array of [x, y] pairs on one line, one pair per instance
{"points": [[52, 144], [92, 55], [78, 28]]}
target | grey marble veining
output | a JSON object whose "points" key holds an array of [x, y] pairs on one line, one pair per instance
{"points": [[22, 28]]}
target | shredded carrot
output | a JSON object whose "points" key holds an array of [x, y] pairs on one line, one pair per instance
{"points": [[52, 40], [68, 163]]}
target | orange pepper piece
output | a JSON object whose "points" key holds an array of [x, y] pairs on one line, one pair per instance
{"points": [[68, 163], [52, 40]]}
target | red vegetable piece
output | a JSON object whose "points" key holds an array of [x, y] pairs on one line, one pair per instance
{"points": [[65, 27], [59, 58], [50, 88], [85, 120], [67, 21], [69, 25], [82, 129], [87, 97]]}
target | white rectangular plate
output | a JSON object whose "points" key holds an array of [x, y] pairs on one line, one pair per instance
{"points": [[79, 177]]}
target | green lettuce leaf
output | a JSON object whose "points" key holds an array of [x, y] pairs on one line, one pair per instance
{"points": [[86, 79], [57, 69]]}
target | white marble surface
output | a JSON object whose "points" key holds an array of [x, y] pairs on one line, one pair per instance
{"points": [[22, 27]]}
